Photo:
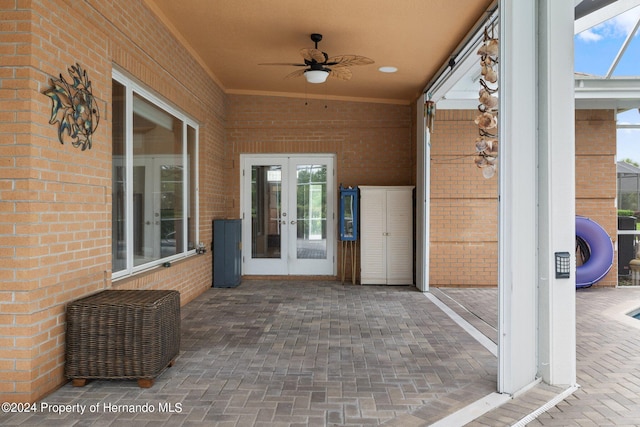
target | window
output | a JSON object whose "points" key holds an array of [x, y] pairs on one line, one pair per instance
{"points": [[628, 159], [154, 204]]}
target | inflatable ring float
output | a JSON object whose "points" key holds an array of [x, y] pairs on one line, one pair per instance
{"points": [[600, 248]]}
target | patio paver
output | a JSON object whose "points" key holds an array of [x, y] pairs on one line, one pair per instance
{"points": [[288, 353], [608, 362]]}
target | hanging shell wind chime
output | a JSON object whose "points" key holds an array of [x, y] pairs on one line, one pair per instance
{"points": [[487, 121]]}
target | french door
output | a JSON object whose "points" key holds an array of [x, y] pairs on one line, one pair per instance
{"points": [[288, 215], [157, 207]]}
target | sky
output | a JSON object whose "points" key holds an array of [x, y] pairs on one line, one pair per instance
{"points": [[594, 52]]}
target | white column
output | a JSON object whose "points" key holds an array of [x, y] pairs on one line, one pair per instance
{"points": [[422, 199], [556, 192], [517, 243], [537, 193]]}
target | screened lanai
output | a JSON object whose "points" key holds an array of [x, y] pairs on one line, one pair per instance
{"points": [[628, 176], [615, 90]]}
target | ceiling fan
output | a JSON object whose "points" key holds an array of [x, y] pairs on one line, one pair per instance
{"points": [[318, 65]]}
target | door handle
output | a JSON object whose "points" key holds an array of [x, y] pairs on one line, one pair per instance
{"points": [[293, 222]]}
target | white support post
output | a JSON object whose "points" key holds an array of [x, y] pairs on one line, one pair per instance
{"points": [[537, 194], [422, 198], [517, 243], [556, 192]]}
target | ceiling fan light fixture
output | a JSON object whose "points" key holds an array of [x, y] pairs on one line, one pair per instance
{"points": [[316, 76]]}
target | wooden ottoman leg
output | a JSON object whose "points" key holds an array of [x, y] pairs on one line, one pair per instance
{"points": [[145, 382], [79, 382]]}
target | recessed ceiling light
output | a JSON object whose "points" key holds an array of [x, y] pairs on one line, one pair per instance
{"points": [[388, 69]]}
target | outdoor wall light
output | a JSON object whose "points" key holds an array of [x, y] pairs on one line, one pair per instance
{"points": [[563, 265]]}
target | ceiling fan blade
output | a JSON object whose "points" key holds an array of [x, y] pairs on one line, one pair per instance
{"points": [[341, 73], [285, 63], [298, 73], [312, 55], [348, 60]]}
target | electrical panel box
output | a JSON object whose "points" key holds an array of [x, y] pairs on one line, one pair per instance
{"points": [[227, 253]]}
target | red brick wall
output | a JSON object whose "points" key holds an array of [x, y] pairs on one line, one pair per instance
{"points": [[464, 220], [55, 200]]}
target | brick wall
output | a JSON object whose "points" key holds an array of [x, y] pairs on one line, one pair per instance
{"points": [[596, 175], [464, 210], [55, 200], [372, 142], [464, 220]]}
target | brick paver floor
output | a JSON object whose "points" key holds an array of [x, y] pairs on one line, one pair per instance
{"points": [[271, 353], [608, 361], [287, 353]]}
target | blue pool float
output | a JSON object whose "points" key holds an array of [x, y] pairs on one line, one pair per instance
{"points": [[601, 252]]}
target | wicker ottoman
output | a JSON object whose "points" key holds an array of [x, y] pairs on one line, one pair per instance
{"points": [[122, 334]]}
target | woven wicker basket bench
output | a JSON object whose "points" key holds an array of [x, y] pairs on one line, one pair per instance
{"points": [[122, 334]]}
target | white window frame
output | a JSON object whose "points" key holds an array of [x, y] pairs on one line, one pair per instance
{"points": [[133, 87]]}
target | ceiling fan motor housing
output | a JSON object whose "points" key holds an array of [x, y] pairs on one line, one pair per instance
{"points": [[315, 37]]}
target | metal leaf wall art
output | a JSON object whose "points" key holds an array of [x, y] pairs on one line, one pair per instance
{"points": [[74, 108], [487, 121]]}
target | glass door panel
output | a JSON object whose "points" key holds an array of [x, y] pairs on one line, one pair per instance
{"points": [[144, 227], [266, 211], [119, 226], [287, 206], [314, 195], [264, 219], [311, 198], [157, 208], [171, 208]]}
